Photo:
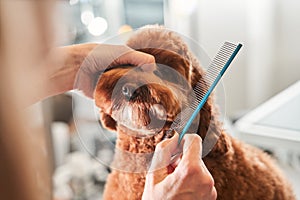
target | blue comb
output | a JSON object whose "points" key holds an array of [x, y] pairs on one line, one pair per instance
{"points": [[216, 69]]}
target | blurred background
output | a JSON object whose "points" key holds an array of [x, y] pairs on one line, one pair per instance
{"points": [[268, 64]]}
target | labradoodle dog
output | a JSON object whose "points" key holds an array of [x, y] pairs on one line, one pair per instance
{"points": [[141, 105]]}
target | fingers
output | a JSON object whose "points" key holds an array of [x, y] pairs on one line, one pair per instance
{"points": [[162, 156], [163, 153], [137, 58], [192, 165], [191, 162], [148, 67], [192, 147], [84, 83], [192, 150], [192, 169], [101, 57], [214, 194], [190, 180], [106, 55], [140, 58]]}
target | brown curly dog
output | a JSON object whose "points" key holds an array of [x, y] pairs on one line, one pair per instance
{"points": [[140, 106]]}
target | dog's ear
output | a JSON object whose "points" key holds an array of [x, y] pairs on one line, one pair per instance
{"points": [[107, 121]]}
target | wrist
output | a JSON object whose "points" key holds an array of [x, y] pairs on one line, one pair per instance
{"points": [[62, 73]]}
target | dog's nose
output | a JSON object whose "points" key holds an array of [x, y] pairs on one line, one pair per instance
{"points": [[129, 91]]}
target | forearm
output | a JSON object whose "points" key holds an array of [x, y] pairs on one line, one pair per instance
{"points": [[58, 71], [61, 73]]}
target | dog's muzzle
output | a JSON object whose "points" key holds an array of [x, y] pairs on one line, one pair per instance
{"points": [[131, 91]]}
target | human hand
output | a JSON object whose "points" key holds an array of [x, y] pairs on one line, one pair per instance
{"points": [[188, 179], [104, 56]]}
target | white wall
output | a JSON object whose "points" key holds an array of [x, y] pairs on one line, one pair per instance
{"points": [[269, 60]]}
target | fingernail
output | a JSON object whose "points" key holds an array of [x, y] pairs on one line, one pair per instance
{"points": [[148, 67], [173, 136]]}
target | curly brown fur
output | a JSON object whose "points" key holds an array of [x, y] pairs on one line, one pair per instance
{"points": [[240, 171]]}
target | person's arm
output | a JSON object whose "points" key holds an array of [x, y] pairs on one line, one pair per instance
{"points": [[78, 66], [190, 179], [64, 65]]}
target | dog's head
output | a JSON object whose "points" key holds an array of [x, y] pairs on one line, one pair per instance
{"points": [[142, 100], [147, 102]]}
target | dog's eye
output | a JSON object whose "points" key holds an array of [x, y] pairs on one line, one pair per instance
{"points": [[158, 73]]}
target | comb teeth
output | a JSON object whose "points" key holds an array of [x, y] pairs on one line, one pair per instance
{"points": [[213, 71], [205, 86], [219, 62], [181, 120]]}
